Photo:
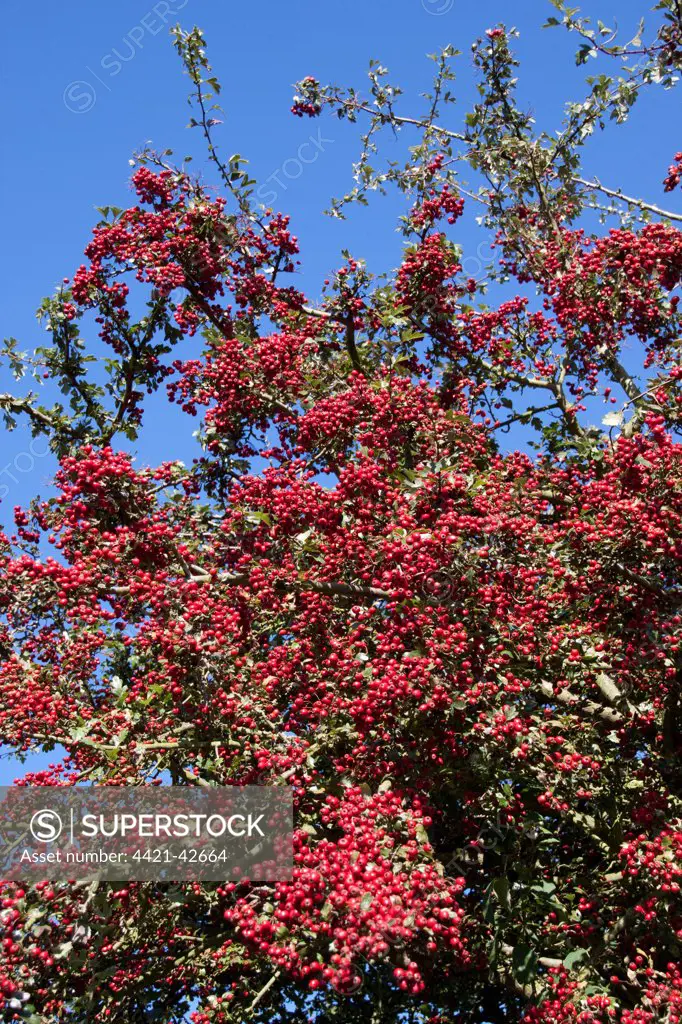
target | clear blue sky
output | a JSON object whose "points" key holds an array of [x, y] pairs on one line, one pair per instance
{"points": [[85, 84]]}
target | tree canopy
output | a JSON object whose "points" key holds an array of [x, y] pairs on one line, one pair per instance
{"points": [[425, 572]]}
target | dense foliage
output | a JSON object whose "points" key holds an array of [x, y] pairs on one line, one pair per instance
{"points": [[464, 659]]}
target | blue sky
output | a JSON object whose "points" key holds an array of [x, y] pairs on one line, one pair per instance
{"points": [[85, 84]]}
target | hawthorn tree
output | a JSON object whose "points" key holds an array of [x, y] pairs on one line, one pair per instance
{"points": [[464, 659]]}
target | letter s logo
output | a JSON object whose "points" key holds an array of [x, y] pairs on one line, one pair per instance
{"points": [[46, 826]]}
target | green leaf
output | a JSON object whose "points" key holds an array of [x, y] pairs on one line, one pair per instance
{"points": [[366, 901], [524, 964], [501, 890], [422, 835], [544, 886], [576, 956]]}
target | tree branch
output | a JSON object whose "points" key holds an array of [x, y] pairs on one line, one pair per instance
{"points": [[573, 701], [630, 200]]}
